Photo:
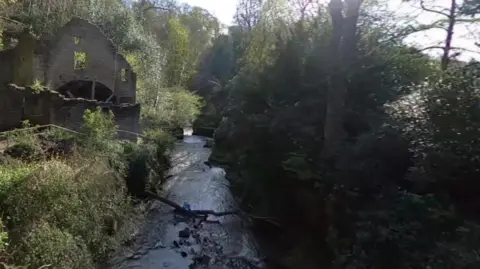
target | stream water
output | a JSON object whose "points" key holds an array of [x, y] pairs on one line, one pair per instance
{"points": [[171, 241]]}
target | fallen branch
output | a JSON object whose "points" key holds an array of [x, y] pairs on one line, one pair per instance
{"points": [[190, 213], [203, 214]]}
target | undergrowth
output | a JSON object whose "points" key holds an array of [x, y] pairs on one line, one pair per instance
{"points": [[72, 210]]}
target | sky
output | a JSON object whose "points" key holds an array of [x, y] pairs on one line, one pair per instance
{"points": [[222, 9], [464, 36]]}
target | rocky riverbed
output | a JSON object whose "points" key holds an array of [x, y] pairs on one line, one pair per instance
{"points": [[169, 240]]}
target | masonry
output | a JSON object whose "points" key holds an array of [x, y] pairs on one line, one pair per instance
{"points": [[80, 67]]}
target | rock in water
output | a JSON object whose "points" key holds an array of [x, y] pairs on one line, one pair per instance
{"points": [[208, 143], [185, 233], [203, 260], [186, 206]]}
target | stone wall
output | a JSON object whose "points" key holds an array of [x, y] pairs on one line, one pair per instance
{"points": [[6, 69], [49, 107], [11, 109], [103, 63], [127, 119]]}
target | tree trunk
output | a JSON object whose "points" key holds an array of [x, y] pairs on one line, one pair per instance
{"points": [[448, 40], [343, 49]]}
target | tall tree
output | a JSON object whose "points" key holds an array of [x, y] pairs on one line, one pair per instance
{"points": [[449, 16], [342, 50], [177, 66], [248, 13]]}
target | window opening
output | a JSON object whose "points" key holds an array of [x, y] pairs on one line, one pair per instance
{"points": [[123, 74], [76, 40], [80, 60]]}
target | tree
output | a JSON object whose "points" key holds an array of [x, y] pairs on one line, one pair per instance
{"points": [[248, 13], [449, 17], [342, 51], [177, 68], [470, 7]]}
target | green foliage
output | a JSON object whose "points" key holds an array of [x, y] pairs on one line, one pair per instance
{"points": [[50, 246], [298, 164], [99, 128], [75, 198], [444, 131], [147, 163], [175, 108], [177, 70], [37, 86], [72, 212], [399, 190], [405, 230]]}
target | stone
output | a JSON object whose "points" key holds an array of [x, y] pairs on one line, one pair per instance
{"points": [[159, 244], [195, 249], [203, 260], [185, 233], [209, 143], [166, 264], [184, 254]]}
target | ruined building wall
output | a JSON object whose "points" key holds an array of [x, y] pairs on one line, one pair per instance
{"points": [[51, 61], [103, 63], [128, 119], [48, 107], [126, 83], [11, 109], [6, 68], [22, 63], [100, 62]]}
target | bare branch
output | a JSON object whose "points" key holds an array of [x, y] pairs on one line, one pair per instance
{"points": [[452, 48], [422, 4]]}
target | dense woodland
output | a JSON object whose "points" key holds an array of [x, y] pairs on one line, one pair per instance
{"points": [[357, 149]]}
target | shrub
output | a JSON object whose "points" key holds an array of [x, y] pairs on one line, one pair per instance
{"points": [[444, 134], [147, 162], [74, 197], [50, 246], [24, 151], [12, 174], [98, 129], [405, 230], [176, 108]]}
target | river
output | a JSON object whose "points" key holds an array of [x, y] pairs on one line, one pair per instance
{"points": [[223, 242]]}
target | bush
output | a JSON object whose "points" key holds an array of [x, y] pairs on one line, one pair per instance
{"points": [[24, 151], [98, 130], [405, 230], [147, 162], [74, 199], [50, 246], [176, 108], [71, 212], [444, 133]]}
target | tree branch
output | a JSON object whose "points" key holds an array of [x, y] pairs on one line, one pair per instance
{"points": [[190, 213], [203, 214], [453, 48], [422, 5], [156, 8]]}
